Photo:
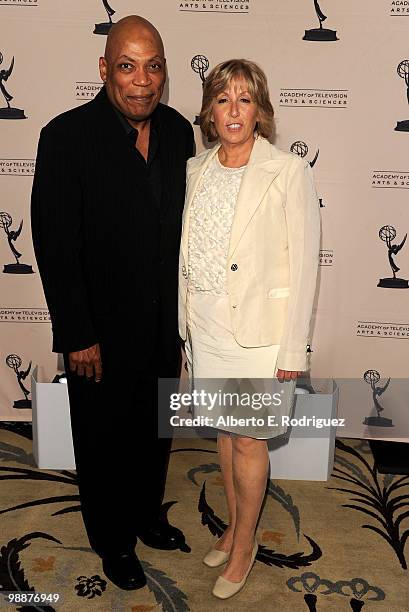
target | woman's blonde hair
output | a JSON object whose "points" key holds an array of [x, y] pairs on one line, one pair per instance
{"points": [[220, 78]]}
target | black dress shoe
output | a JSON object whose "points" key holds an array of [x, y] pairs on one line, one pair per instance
{"points": [[125, 571], [163, 536]]}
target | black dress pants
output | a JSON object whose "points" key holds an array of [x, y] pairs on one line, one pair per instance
{"points": [[121, 462]]}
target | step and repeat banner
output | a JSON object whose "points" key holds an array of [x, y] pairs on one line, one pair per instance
{"points": [[338, 72]]}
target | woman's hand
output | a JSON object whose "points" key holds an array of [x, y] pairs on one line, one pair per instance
{"points": [[287, 374]]}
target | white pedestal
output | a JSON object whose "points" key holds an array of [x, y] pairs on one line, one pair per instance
{"points": [[52, 437], [307, 453]]}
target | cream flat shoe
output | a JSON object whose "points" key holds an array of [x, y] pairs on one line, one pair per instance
{"points": [[223, 589], [215, 557]]}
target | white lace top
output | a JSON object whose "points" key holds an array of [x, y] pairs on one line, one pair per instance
{"points": [[210, 222]]}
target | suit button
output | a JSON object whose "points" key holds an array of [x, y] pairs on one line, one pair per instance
{"points": [[234, 267], [184, 272]]}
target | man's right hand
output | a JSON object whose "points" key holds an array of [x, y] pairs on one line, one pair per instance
{"points": [[88, 362]]}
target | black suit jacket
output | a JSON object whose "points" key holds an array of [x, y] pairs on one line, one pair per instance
{"points": [[106, 252]]}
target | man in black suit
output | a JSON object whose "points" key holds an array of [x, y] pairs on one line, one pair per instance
{"points": [[107, 201]]}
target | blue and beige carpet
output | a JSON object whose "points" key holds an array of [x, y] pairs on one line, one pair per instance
{"points": [[336, 545]]}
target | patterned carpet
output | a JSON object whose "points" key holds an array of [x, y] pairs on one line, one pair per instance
{"points": [[337, 545]]}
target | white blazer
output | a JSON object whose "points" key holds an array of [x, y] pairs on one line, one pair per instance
{"points": [[273, 255]]}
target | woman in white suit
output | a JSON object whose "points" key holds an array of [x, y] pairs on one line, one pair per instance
{"points": [[248, 269]]}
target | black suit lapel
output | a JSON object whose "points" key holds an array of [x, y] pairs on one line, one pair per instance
{"points": [[165, 154], [118, 153]]}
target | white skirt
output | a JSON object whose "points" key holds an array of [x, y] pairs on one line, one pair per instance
{"points": [[216, 362]]}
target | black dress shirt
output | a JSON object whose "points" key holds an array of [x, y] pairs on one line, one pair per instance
{"points": [[152, 164]]}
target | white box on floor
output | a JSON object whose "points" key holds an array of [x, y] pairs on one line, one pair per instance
{"points": [[52, 437], [307, 453]]}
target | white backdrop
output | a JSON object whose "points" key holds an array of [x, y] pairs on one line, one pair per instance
{"points": [[342, 98]]}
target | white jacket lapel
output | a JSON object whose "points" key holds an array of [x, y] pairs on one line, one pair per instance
{"points": [[196, 167], [261, 170]]}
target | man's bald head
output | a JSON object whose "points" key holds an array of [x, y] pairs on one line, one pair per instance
{"points": [[133, 68], [128, 28]]}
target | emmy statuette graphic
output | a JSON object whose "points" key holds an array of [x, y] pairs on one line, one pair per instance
{"points": [[13, 268], [387, 233], [320, 34], [103, 28], [200, 65], [300, 148], [403, 72], [372, 377], [14, 362], [8, 112]]}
